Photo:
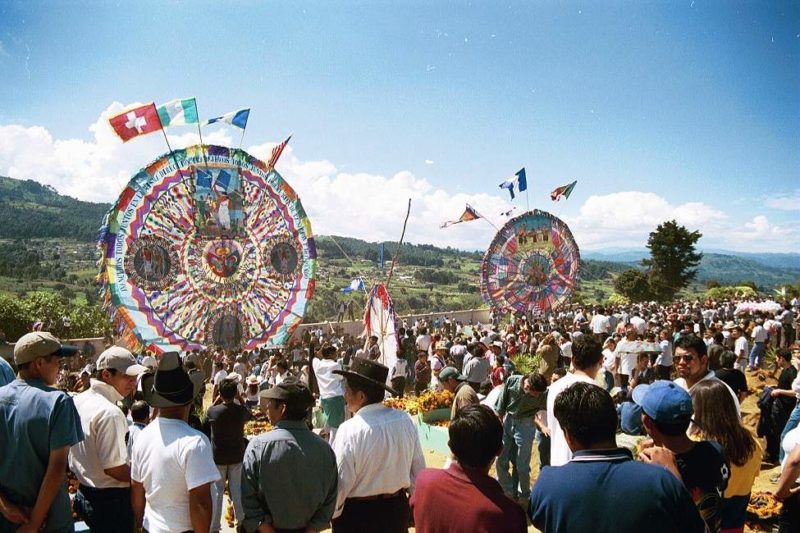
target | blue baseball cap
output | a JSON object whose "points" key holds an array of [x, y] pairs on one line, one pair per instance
{"points": [[664, 401]]}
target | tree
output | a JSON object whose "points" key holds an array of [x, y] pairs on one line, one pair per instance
{"points": [[673, 259], [712, 284], [634, 285]]}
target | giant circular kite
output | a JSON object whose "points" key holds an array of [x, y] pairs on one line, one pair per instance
{"points": [[207, 247], [531, 265]]}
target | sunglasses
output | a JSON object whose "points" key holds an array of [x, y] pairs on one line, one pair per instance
{"points": [[684, 358]]}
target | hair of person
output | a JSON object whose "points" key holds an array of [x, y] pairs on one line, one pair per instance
{"points": [[549, 339], [718, 337], [228, 389], [190, 365], [727, 359], [282, 364], [374, 393], [587, 412], [140, 411], [560, 371], [294, 412], [785, 354], [586, 352], [692, 342], [98, 372], [672, 430], [475, 436], [536, 381], [715, 418]]}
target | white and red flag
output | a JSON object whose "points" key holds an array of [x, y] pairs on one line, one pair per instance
{"points": [[276, 153], [137, 121]]}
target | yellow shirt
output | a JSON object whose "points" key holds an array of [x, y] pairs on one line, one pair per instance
{"points": [[743, 477]]}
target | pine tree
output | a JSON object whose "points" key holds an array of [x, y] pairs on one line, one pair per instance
{"points": [[673, 259]]}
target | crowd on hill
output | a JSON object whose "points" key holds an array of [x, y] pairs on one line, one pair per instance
{"points": [[644, 397]]}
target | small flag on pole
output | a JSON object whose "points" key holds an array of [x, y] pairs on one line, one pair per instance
{"points": [[234, 118], [276, 152], [469, 214], [518, 180], [355, 285], [564, 190], [137, 121], [179, 112]]}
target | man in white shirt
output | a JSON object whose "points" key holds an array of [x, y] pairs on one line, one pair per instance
{"points": [[378, 455], [627, 353], [639, 323], [759, 335], [100, 461], [331, 389], [664, 358], [172, 465], [423, 340], [587, 357], [600, 325], [740, 347], [691, 363]]}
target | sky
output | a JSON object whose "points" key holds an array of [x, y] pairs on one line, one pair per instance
{"points": [[686, 110]]}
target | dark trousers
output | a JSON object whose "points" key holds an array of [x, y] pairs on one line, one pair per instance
{"points": [[389, 515], [420, 387], [399, 384], [106, 510], [789, 520]]}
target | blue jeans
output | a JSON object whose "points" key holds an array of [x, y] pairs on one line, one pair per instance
{"points": [[105, 509], [757, 354], [794, 420], [233, 474], [514, 463]]}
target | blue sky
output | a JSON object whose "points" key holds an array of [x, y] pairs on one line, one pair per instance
{"points": [[660, 110]]}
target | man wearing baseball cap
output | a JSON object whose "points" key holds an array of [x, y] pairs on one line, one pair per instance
{"points": [[456, 383], [666, 415], [100, 461], [39, 425], [289, 480]]}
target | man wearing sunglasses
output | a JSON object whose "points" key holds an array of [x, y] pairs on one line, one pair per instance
{"points": [[691, 362]]}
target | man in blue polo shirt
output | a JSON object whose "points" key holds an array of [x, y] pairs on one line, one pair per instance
{"points": [[604, 478]]}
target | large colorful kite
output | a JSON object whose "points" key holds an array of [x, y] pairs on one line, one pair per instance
{"points": [[207, 247], [531, 265]]}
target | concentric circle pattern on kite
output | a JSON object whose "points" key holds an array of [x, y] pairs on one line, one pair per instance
{"points": [[207, 247], [531, 265]]}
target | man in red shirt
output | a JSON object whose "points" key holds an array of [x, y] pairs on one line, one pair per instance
{"points": [[463, 497]]}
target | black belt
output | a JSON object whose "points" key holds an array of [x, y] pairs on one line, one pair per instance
{"points": [[378, 496], [86, 489]]}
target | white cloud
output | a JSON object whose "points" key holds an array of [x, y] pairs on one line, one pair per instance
{"points": [[428, 162], [785, 202], [370, 206]]}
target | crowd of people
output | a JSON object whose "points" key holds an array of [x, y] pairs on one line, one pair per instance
{"points": [[135, 433]]}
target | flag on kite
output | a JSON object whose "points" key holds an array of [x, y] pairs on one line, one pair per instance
{"points": [[180, 112], [564, 190], [469, 214], [137, 121], [355, 285], [518, 180], [276, 152], [203, 178], [234, 118]]}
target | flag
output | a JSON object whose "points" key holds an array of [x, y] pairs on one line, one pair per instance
{"points": [[137, 121], [469, 214], [276, 153], [517, 179], [234, 118], [203, 178], [564, 190], [180, 112], [355, 285], [223, 181]]}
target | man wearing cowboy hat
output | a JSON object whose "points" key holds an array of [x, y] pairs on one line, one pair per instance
{"points": [[378, 455], [100, 461], [172, 465], [39, 425]]}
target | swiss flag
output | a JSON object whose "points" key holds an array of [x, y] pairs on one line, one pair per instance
{"points": [[136, 121]]}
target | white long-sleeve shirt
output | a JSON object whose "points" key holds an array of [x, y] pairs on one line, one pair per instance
{"points": [[377, 452]]}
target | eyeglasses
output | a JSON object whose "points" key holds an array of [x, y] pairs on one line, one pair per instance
{"points": [[684, 358]]}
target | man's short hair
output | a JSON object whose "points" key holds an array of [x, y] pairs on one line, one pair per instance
{"points": [[536, 381], [727, 359], [586, 352], [228, 389], [374, 393], [692, 342], [140, 411], [587, 412], [785, 354], [476, 436]]}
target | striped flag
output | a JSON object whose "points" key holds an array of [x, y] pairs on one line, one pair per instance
{"points": [[234, 118], [564, 190], [276, 153], [518, 180], [469, 215], [180, 112], [136, 121]]}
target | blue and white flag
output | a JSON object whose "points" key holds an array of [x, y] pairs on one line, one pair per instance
{"points": [[517, 181], [234, 118], [355, 285], [203, 178]]}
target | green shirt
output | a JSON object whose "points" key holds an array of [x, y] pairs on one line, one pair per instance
{"points": [[514, 401]]}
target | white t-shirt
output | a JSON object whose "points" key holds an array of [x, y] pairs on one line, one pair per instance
{"points": [[170, 459], [566, 349], [627, 358], [741, 348], [219, 376], [400, 368], [639, 323], [609, 360], [423, 342], [560, 453], [600, 324], [759, 334], [665, 357], [789, 443], [330, 384]]}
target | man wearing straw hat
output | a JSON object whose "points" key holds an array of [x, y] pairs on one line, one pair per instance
{"points": [[172, 465], [378, 455]]}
